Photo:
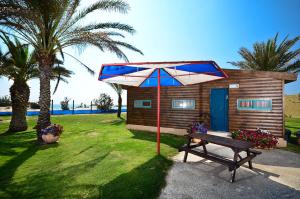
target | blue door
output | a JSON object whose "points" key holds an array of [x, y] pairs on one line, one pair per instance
{"points": [[219, 109]]}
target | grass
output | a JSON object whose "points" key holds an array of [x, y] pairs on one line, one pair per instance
{"points": [[293, 124], [95, 158], [292, 106]]}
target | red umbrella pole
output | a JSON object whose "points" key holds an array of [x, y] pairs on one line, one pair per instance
{"points": [[158, 112]]}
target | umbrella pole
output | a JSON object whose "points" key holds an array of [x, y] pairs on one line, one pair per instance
{"points": [[158, 112]]}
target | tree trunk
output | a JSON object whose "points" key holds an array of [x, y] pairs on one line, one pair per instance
{"points": [[119, 105], [45, 66], [19, 93]]}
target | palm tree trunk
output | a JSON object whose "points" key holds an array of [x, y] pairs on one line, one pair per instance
{"points": [[45, 66], [119, 105], [19, 92]]}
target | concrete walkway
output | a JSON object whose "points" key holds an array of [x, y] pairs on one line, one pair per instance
{"points": [[276, 175]]}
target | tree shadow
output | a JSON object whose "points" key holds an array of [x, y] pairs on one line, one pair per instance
{"points": [[174, 141], [51, 183], [9, 168], [118, 122], [145, 181], [20, 140]]}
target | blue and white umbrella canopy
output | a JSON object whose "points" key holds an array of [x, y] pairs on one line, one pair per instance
{"points": [[171, 73], [157, 74]]}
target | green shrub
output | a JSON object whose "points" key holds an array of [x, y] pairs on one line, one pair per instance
{"points": [[5, 101], [34, 105], [104, 102], [65, 104]]}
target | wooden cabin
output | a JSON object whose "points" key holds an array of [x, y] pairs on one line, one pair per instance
{"points": [[245, 100]]}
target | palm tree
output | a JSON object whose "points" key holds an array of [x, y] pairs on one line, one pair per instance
{"points": [[119, 91], [271, 56], [19, 65], [53, 25]]}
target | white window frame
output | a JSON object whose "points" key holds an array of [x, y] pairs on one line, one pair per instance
{"points": [[139, 104], [183, 107]]}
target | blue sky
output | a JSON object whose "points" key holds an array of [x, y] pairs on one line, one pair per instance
{"points": [[175, 30]]}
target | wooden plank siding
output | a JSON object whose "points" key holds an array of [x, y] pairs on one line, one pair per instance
{"points": [[251, 85], [250, 88], [170, 118]]}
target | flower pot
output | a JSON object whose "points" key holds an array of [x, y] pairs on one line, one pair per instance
{"points": [[195, 140], [49, 138]]}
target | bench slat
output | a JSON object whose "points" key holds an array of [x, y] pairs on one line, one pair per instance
{"points": [[212, 157], [254, 151]]}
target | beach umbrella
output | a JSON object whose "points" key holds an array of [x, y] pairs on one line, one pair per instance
{"points": [[157, 74]]}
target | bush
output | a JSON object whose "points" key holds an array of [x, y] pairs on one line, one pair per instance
{"points": [[104, 102], [65, 104], [261, 139], [34, 105], [5, 101]]}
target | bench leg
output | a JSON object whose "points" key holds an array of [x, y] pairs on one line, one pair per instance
{"points": [[233, 175], [204, 148], [235, 157], [185, 156], [250, 161], [186, 152]]}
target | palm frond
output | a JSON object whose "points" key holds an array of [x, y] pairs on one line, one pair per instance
{"points": [[85, 66], [101, 26], [117, 87], [105, 5], [271, 56]]}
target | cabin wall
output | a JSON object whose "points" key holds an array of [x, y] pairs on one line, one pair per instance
{"points": [[262, 87], [249, 87], [170, 118]]}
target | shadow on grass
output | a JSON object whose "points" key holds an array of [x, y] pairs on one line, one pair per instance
{"points": [[168, 139], [20, 140], [144, 181], [9, 168], [118, 121], [50, 183]]}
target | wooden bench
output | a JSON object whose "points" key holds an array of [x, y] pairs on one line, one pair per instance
{"points": [[237, 146]]}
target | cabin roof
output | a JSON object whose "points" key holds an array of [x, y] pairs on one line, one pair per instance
{"points": [[286, 76]]}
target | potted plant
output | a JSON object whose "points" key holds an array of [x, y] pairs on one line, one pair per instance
{"points": [[51, 133], [198, 127]]}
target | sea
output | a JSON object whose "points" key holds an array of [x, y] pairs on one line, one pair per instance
{"points": [[77, 107]]}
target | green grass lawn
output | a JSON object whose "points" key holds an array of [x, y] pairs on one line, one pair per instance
{"points": [[293, 124], [95, 158]]}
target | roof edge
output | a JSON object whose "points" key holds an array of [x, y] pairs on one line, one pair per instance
{"points": [[286, 76]]}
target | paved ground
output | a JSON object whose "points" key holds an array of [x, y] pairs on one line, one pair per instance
{"points": [[276, 175]]}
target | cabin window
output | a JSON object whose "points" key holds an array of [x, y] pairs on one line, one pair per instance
{"points": [[183, 104], [254, 104], [142, 103]]}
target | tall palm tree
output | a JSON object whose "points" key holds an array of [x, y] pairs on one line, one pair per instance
{"points": [[119, 91], [20, 65], [52, 25], [271, 56]]}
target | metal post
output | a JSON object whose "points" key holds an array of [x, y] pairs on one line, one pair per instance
{"points": [[51, 107], [73, 108], [158, 111], [91, 106]]}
